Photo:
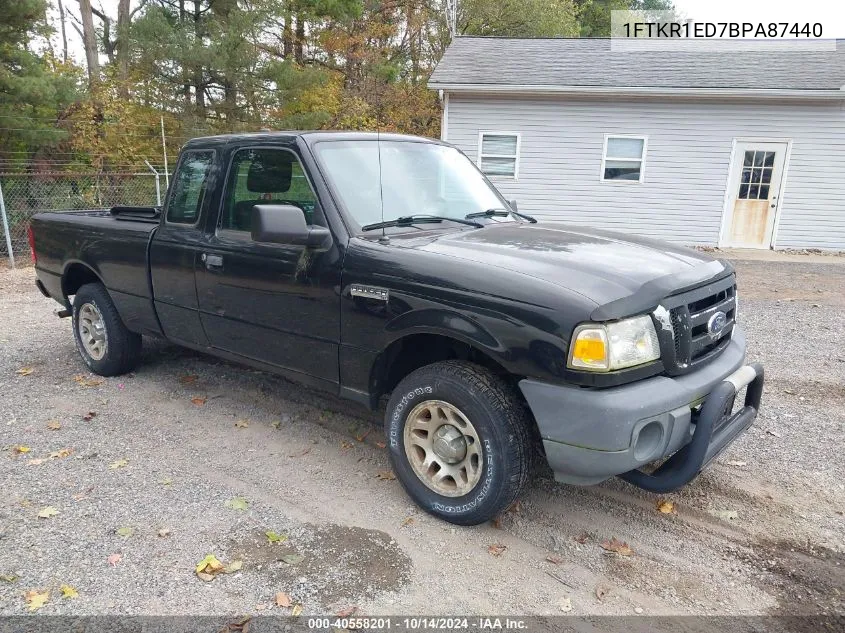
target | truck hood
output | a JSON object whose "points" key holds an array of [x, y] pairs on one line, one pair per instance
{"points": [[622, 274]]}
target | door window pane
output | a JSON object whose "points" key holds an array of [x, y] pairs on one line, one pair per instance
{"points": [[186, 197], [264, 176], [756, 176]]}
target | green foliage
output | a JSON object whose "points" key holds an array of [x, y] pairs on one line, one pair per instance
{"points": [[34, 89], [518, 18]]}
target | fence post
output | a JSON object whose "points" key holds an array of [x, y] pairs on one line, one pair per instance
{"points": [[6, 228], [158, 186]]}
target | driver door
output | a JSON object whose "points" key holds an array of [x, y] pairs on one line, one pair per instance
{"points": [[273, 303]]}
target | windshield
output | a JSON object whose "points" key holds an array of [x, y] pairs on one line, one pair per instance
{"points": [[416, 179]]}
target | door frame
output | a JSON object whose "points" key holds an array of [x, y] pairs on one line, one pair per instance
{"points": [[723, 224]]}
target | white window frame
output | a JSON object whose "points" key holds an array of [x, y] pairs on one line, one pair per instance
{"points": [[518, 135], [605, 158]]}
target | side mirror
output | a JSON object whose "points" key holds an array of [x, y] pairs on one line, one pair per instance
{"points": [[285, 224], [512, 204]]}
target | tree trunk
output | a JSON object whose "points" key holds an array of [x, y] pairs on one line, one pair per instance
{"points": [[287, 34], [123, 47], [199, 83], [64, 33], [89, 36], [299, 42]]}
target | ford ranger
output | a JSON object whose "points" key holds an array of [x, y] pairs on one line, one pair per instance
{"points": [[387, 268]]}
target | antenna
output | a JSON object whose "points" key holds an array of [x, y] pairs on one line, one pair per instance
{"points": [[383, 239]]}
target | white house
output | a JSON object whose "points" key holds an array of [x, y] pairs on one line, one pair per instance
{"points": [[711, 147]]}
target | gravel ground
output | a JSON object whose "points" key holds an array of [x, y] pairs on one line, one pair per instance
{"points": [[191, 456]]}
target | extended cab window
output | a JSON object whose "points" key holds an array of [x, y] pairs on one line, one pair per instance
{"points": [[188, 190], [264, 176]]}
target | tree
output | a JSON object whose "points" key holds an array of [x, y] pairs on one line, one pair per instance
{"points": [[34, 89], [594, 15]]}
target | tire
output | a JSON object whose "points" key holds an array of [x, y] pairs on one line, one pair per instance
{"points": [[119, 349], [481, 406]]}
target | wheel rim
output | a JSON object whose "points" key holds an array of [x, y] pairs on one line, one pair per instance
{"points": [[443, 448], [92, 331]]}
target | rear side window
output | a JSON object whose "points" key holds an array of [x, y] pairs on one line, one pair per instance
{"points": [[188, 190]]}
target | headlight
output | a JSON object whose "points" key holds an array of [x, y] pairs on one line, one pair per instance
{"points": [[610, 346]]}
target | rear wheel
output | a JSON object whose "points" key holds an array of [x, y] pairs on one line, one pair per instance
{"points": [[103, 341], [460, 441]]}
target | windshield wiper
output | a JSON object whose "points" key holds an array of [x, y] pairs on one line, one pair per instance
{"points": [[408, 220], [489, 213]]}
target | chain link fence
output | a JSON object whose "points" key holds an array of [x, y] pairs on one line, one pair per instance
{"points": [[22, 195]]}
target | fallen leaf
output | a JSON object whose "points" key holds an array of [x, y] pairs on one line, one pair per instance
{"points": [[163, 532], [209, 565], [789, 391], [407, 522], [736, 462], [582, 538], [242, 424], [496, 549], [167, 481], [125, 532], [205, 577], [565, 604], [188, 379], [235, 565], [617, 546], [47, 512], [386, 475], [360, 435], [276, 424], [54, 425], [726, 515], [291, 559], [89, 416], [554, 559], [8, 577], [69, 592], [62, 452], [198, 401], [297, 609], [36, 599], [775, 433], [601, 592], [381, 444], [237, 503], [346, 445], [301, 453], [114, 559], [20, 450], [37, 461], [24, 371], [283, 600], [345, 613], [82, 381], [666, 507], [121, 463], [275, 537]]}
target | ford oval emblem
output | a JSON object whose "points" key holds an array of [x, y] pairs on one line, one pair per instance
{"points": [[717, 323]]}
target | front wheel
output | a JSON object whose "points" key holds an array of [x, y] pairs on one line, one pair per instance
{"points": [[103, 341], [460, 441]]}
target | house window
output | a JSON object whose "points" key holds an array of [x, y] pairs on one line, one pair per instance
{"points": [[498, 154], [624, 158]]}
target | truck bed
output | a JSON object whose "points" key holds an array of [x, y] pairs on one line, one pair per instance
{"points": [[112, 246]]}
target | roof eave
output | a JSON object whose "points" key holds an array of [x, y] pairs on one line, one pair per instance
{"points": [[640, 91]]}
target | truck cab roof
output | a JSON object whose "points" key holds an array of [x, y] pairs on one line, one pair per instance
{"points": [[310, 137]]}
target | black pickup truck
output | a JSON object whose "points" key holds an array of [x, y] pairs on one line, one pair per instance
{"points": [[387, 267]]}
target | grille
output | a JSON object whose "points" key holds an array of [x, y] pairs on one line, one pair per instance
{"points": [[690, 315]]}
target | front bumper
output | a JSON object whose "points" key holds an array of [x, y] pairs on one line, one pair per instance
{"points": [[590, 435]]}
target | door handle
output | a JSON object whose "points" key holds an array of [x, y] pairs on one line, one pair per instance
{"points": [[212, 261]]}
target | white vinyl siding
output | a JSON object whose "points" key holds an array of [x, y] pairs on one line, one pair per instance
{"points": [[498, 154], [688, 162]]}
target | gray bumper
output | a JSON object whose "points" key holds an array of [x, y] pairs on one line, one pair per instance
{"points": [[590, 435]]}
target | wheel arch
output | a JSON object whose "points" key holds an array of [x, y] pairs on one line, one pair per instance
{"points": [[75, 275]]}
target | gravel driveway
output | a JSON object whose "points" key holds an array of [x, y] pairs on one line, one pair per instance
{"points": [[139, 478]]}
